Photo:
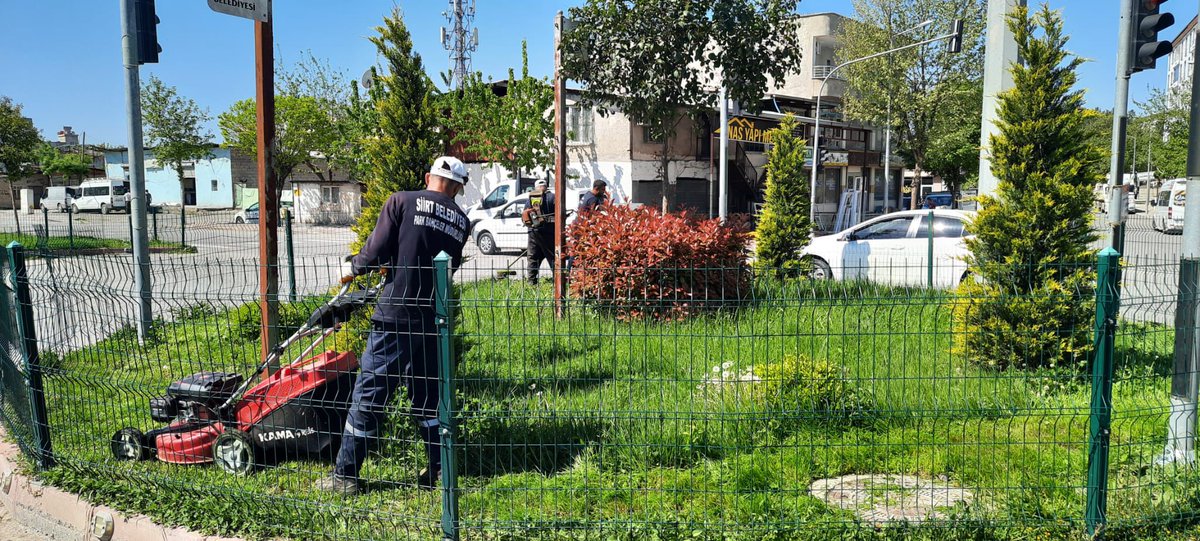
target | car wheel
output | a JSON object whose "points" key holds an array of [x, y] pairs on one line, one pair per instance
{"points": [[238, 220], [130, 444], [59, 207], [45, 208], [234, 452], [103, 208], [74, 209], [486, 243], [820, 269]]}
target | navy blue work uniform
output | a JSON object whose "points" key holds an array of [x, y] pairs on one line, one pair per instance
{"points": [[413, 228], [541, 234]]}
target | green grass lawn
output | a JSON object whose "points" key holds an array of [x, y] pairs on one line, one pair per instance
{"points": [[592, 428], [65, 244]]}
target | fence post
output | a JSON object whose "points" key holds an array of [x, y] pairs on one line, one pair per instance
{"points": [[71, 226], [46, 225], [1107, 303], [446, 407], [182, 225], [291, 256], [930, 248], [33, 364], [154, 221]]}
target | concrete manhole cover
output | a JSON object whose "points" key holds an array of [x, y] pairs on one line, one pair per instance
{"points": [[885, 498]]}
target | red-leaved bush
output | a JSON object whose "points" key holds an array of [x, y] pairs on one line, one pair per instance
{"points": [[639, 263]]}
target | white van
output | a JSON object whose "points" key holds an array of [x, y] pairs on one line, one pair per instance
{"points": [[58, 198], [102, 194], [500, 195], [1167, 215]]}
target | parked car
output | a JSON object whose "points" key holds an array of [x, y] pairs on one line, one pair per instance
{"points": [[58, 198], [500, 195], [1168, 207], [893, 249], [102, 194], [943, 200], [249, 215]]}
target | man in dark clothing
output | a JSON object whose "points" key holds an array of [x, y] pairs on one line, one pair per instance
{"points": [[413, 227], [539, 218], [596, 198]]}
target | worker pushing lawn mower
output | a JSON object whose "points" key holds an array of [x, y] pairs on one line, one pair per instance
{"points": [[217, 417]]}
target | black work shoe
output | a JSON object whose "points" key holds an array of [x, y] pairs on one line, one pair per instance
{"points": [[428, 479], [338, 485]]}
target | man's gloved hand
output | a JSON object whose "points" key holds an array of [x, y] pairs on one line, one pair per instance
{"points": [[347, 270]]}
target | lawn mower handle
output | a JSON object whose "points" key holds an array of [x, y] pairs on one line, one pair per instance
{"points": [[277, 351]]}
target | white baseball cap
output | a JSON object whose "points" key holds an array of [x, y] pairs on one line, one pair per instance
{"points": [[451, 168], [540, 183]]}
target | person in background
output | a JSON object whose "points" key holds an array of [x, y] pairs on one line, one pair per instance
{"points": [[539, 218], [596, 198]]}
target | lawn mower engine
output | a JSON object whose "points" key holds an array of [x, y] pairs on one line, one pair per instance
{"points": [[296, 412]]}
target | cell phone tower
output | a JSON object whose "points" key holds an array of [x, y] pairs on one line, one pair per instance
{"points": [[461, 38]]}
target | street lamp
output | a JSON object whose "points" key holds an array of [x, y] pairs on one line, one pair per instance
{"points": [[955, 35]]}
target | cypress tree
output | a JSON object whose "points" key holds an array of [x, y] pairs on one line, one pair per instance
{"points": [[784, 227], [1029, 302], [405, 141]]}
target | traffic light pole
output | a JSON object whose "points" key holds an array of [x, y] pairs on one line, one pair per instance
{"points": [[1185, 383], [1116, 196], [137, 173]]}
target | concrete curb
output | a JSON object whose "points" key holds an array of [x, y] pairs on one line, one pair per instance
{"points": [[64, 516]]}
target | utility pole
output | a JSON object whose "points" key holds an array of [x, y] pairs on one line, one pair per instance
{"points": [[560, 169], [268, 193], [137, 172], [461, 39], [1185, 383], [723, 174], [999, 54]]}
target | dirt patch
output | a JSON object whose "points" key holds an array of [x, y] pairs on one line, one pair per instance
{"points": [[886, 498]]}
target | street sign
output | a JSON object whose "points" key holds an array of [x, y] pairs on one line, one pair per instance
{"points": [[257, 10]]}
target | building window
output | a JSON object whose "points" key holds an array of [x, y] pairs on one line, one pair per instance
{"points": [[579, 124], [651, 135], [331, 195], [215, 185]]}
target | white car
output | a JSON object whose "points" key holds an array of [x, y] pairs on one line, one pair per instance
{"points": [[502, 230], [893, 249], [1167, 212]]}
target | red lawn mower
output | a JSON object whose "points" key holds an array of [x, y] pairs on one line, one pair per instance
{"points": [[224, 418]]}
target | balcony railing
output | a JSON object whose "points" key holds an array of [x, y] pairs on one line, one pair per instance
{"points": [[821, 72]]}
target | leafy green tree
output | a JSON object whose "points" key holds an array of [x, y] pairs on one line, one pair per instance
{"points": [[1029, 302], [405, 140], [515, 129], [62, 162], [174, 126], [954, 147], [784, 228], [318, 79], [659, 62], [1163, 125], [922, 85], [302, 131], [19, 141]]}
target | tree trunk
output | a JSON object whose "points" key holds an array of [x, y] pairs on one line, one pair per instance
{"points": [[16, 214], [668, 189], [916, 188]]}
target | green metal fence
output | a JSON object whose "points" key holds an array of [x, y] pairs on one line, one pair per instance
{"points": [[781, 409]]}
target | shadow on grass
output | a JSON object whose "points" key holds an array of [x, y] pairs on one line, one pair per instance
{"points": [[499, 443]]}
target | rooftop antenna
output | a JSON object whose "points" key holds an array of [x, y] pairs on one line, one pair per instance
{"points": [[460, 38]]}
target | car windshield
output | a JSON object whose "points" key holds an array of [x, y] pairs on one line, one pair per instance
{"points": [[120, 189]]}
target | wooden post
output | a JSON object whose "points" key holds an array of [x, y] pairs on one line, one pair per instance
{"points": [[268, 200], [560, 170]]}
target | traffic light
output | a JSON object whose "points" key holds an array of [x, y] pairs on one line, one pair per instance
{"points": [[1145, 46], [147, 32], [956, 36]]}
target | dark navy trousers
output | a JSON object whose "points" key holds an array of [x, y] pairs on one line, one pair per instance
{"points": [[395, 354]]}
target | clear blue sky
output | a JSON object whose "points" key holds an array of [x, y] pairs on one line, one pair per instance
{"points": [[61, 59]]}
